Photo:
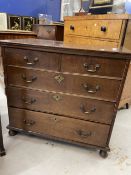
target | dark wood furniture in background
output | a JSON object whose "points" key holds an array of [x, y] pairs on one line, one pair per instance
{"points": [[2, 150], [110, 30], [10, 34], [63, 92], [49, 32]]}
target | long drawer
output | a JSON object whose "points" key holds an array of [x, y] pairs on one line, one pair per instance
{"points": [[30, 58], [108, 29], [81, 108], [60, 127], [74, 84], [91, 42], [93, 66]]}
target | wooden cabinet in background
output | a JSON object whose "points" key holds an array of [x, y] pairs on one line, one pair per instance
{"points": [[49, 32], [10, 34], [109, 30]]}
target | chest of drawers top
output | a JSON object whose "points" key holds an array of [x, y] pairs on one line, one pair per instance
{"points": [[63, 48]]}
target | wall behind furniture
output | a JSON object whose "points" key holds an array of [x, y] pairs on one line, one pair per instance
{"points": [[31, 7], [53, 7]]}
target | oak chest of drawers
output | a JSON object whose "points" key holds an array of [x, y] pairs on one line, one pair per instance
{"points": [[63, 92], [110, 30]]}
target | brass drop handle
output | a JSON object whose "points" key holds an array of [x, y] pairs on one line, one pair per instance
{"points": [[72, 27], [92, 110], [103, 28], [84, 133], [90, 90], [31, 101], [91, 68], [33, 78], [48, 31], [29, 122], [35, 60]]}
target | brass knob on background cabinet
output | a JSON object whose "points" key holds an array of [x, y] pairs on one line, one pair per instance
{"points": [[48, 31]]}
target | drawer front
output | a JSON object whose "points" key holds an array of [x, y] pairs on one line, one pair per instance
{"points": [[47, 32], [79, 40], [93, 66], [82, 108], [34, 59], [74, 84], [94, 28], [60, 127]]}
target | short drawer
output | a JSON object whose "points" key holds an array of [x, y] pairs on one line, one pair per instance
{"points": [[45, 31], [94, 28], [94, 87], [34, 59], [59, 127], [82, 108], [93, 66]]}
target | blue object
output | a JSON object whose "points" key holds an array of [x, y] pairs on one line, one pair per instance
{"points": [[31, 7], [128, 6]]}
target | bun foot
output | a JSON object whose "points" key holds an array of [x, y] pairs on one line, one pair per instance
{"points": [[103, 154], [127, 106], [2, 153], [12, 133]]}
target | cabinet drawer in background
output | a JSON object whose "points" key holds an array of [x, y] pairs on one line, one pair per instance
{"points": [[60, 127], [82, 108], [108, 29], [95, 87], [45, 31], [34, 59], [90, 42], [93, 66]]}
